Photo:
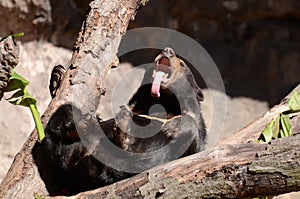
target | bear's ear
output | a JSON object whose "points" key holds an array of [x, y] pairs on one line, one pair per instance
{"points": [[199, 94]]}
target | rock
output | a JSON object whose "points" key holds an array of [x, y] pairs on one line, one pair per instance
{"points": [[56, 20], [229, 117], [255, 44], [31, 17]]}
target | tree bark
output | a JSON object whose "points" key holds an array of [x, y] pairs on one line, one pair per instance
{"points": [[228, 171], [94, 51], [240, 170], [236, 168], [9, 58]]}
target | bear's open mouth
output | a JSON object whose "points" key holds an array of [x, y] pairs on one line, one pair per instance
{"points": [[164, 61], [164, 65], [161, 74], [160, 93]]}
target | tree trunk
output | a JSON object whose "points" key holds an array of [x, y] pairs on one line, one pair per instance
{"points": [[101, 33]]}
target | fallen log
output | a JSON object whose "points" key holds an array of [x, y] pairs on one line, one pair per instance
{"points": [[228, 171]]}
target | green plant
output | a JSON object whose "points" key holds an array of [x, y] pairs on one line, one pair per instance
{"points": [[37, 196], [22, 97], [281, 124], [17, 35]]}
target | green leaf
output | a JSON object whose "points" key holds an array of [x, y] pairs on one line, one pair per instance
{"points": [[275, 126], [16, 82], [16, 76], [294, 102], [22, 98], [17, 94], [15, 101], [37, 196], [285, 122], [13, 85], [267, 134], [272, 129], [18, 35], [25, 100], [15, 36]]}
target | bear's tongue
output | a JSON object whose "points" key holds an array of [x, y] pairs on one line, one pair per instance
{"points": [[156, 84]]}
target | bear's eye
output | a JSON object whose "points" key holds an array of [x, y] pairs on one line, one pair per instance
{"points": [[182, 64]]}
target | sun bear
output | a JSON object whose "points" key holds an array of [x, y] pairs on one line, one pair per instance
{"points": [[148, 136]]}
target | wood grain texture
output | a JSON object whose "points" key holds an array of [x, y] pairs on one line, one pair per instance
{"points": [[229, 171], [94, 51]]}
